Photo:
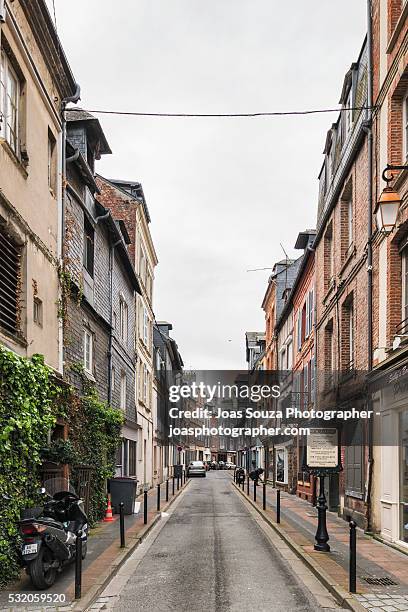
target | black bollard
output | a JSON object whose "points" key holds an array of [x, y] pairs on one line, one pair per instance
{"points": [[178, 483], [247, 484], [278, 506], [184, 473], [167, 490], [353, 558], [78, 565], [173, 484], [243, 482], [145, 508], [158, 498], [321, 537], [254, 490], [122, 525], [264, 497]]}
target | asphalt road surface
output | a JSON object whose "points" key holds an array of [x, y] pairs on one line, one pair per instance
{"points": [[210, 556]]}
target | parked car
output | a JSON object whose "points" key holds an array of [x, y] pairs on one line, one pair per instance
{"points": [[230, 466], [213, 465], [196, 468]]}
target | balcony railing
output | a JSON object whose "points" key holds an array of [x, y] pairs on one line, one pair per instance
{"points": [[402, 328]]}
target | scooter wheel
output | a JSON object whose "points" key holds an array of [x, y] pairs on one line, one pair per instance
{"points": [[41, 578]]}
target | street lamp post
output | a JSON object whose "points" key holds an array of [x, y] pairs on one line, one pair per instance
{"points": [[321, 537]]}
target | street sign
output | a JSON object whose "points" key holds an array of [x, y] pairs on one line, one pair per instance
{"points": [[322, 451]]}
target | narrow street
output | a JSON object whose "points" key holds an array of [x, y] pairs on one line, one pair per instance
{"points": [[210, 554]]}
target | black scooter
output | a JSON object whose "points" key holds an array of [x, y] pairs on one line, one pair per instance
{"points": [[49, 537]]}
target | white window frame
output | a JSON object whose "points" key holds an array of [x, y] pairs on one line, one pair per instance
{"points": [[145, 326], [145, 383], [88, 341], [7, 72], [289, 356]]}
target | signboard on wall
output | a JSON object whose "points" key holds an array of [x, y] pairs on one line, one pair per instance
{"points": [[322, 451]]}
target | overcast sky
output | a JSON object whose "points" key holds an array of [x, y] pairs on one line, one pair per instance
{"points": [[222, 193]]}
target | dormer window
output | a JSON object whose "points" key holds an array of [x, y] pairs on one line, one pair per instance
{"points": [[348, 115]]}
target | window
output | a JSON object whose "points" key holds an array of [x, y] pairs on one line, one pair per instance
{"points": [[289, 356], [123, 390], [9, 103], [38, 311], [149, 285], [312, 381], [354, 459], [10, 257], [145, 383], [350, 221], [306, 385], [299, 331], [328, 353], [89, 247], [283, 360], [123, 319], [405, 125], [52, 162], [348, 115], [145, 326], [281, 465], [404, 262], [328, 256], [119, 461], [88, 351], [142, 266], [132, 458], [311, 310], [348, 335]]}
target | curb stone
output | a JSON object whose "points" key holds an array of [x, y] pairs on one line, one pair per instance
{"points": [[342, 596]]}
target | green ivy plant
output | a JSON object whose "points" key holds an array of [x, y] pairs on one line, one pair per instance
{"points": [[28, 400], [31, 399], [60, 451], [94, 428]]}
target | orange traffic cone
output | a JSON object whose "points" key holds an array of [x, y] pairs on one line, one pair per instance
{"points": [[109, 516]]}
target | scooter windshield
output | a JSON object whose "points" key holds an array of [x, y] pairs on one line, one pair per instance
{"points": [[58, 485]]}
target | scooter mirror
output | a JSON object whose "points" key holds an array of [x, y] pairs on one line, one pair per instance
{"points": [[42, 491]]}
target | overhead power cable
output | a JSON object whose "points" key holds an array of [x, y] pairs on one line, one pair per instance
{"points": [[224, 115]]}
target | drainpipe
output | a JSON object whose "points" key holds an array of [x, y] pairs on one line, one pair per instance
{"points": [[369, 253], [74, 99]]}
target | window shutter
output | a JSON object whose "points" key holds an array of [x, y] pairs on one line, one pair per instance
{"points": [[307, 315]]}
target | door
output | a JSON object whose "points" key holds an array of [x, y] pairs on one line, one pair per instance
{"points": [[403, 496]]}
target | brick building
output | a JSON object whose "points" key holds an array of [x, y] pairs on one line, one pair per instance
{"points": [[342, 284], [304, 363], [388, 495], [101, 309]]}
